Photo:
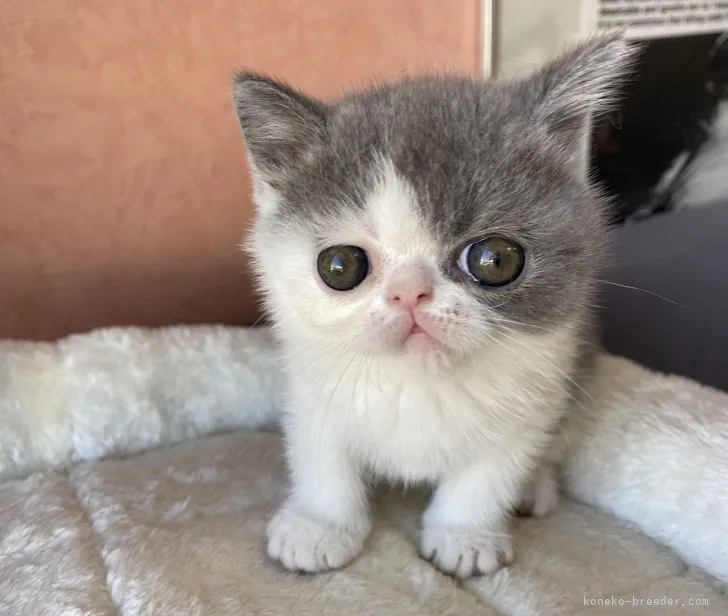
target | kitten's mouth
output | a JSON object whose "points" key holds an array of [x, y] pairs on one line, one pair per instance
{"points": [[419, 338]]}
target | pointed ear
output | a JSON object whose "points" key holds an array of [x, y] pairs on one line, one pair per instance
{"points": [[582, 82], [280, 126]]}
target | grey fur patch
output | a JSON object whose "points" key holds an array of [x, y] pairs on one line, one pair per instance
{"points": [[483, 156]]}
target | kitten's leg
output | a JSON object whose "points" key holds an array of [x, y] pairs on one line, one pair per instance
{"points": [[325, 520], [466, 526], [540, 494]]}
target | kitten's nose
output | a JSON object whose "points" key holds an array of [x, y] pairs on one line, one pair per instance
{"points": [[410, 290]]}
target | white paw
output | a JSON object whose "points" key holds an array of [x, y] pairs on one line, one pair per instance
{"points": [[540, 495], [465, 553], [302, 543]]}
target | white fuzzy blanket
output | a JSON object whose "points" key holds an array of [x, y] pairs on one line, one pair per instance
{"points": [[181, 530]]}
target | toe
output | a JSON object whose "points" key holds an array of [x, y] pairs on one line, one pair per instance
{"points": [[490, 561], [466, 564]]}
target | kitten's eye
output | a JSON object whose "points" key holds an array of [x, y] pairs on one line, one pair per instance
{"points": [[343, 267], [493, 262]]}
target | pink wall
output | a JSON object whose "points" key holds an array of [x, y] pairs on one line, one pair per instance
{"points": [[123, 191]]}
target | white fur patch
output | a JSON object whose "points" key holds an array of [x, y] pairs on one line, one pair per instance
{"points": [[266, 198], [395, 217], [470, 414]]}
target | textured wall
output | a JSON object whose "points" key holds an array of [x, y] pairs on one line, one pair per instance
{"points": [[528, 32], [123, 191]]}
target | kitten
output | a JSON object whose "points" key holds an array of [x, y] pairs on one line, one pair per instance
{"points": [[427, 251]]}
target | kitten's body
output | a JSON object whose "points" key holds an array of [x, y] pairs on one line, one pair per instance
{"points": [[417, 373]]}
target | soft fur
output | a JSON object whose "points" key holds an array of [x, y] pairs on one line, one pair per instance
{"points": [[413, 172], [181, 530], [123, 390]]}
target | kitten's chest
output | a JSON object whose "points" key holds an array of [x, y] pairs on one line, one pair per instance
{"points": [[412, 429], [413, 426]]}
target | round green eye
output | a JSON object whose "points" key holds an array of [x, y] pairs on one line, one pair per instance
{"points": [[493, 262], [343, 267]]}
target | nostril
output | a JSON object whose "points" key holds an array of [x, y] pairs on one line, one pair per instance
{"points": [[410, 299]]}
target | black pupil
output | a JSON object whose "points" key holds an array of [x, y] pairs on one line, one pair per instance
{"points": [[495, 261], [343, 267]]}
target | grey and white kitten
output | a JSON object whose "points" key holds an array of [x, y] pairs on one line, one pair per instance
{"points": [[427, 251]]}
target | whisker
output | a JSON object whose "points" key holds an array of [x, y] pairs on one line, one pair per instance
{"points": [[336, 386], [499, 319], [320, 348], [551, 364], [657, 295], [502, 304], [259, 319]]}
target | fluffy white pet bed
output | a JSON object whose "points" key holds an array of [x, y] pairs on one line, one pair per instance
{"points": [[181, 530]]}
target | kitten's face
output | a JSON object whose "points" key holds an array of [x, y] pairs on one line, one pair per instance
{"points": [[428, 218]]}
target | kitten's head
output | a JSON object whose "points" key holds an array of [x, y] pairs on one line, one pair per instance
{"points": [[428, 217]]}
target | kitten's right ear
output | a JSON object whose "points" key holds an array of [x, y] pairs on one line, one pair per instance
{"points": [[280, 126], [576, 86], [582, 81]]}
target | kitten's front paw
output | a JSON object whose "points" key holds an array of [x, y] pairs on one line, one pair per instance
{"points": [[302, 543], [466, 553], [540, 495]]}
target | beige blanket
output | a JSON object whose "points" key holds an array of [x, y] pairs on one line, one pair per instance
{"points": [[181, 530]]}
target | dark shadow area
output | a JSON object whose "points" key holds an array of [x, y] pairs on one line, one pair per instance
{"points": [[666, 111], [665, 302]]}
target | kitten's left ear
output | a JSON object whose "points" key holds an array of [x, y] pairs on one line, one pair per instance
{"points": [[280, 126], [580, 83]]}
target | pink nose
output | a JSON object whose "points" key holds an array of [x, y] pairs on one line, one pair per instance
{"points": [[410, 290]]}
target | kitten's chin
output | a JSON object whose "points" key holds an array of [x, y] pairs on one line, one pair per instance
{"points": [[427, 355]]}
